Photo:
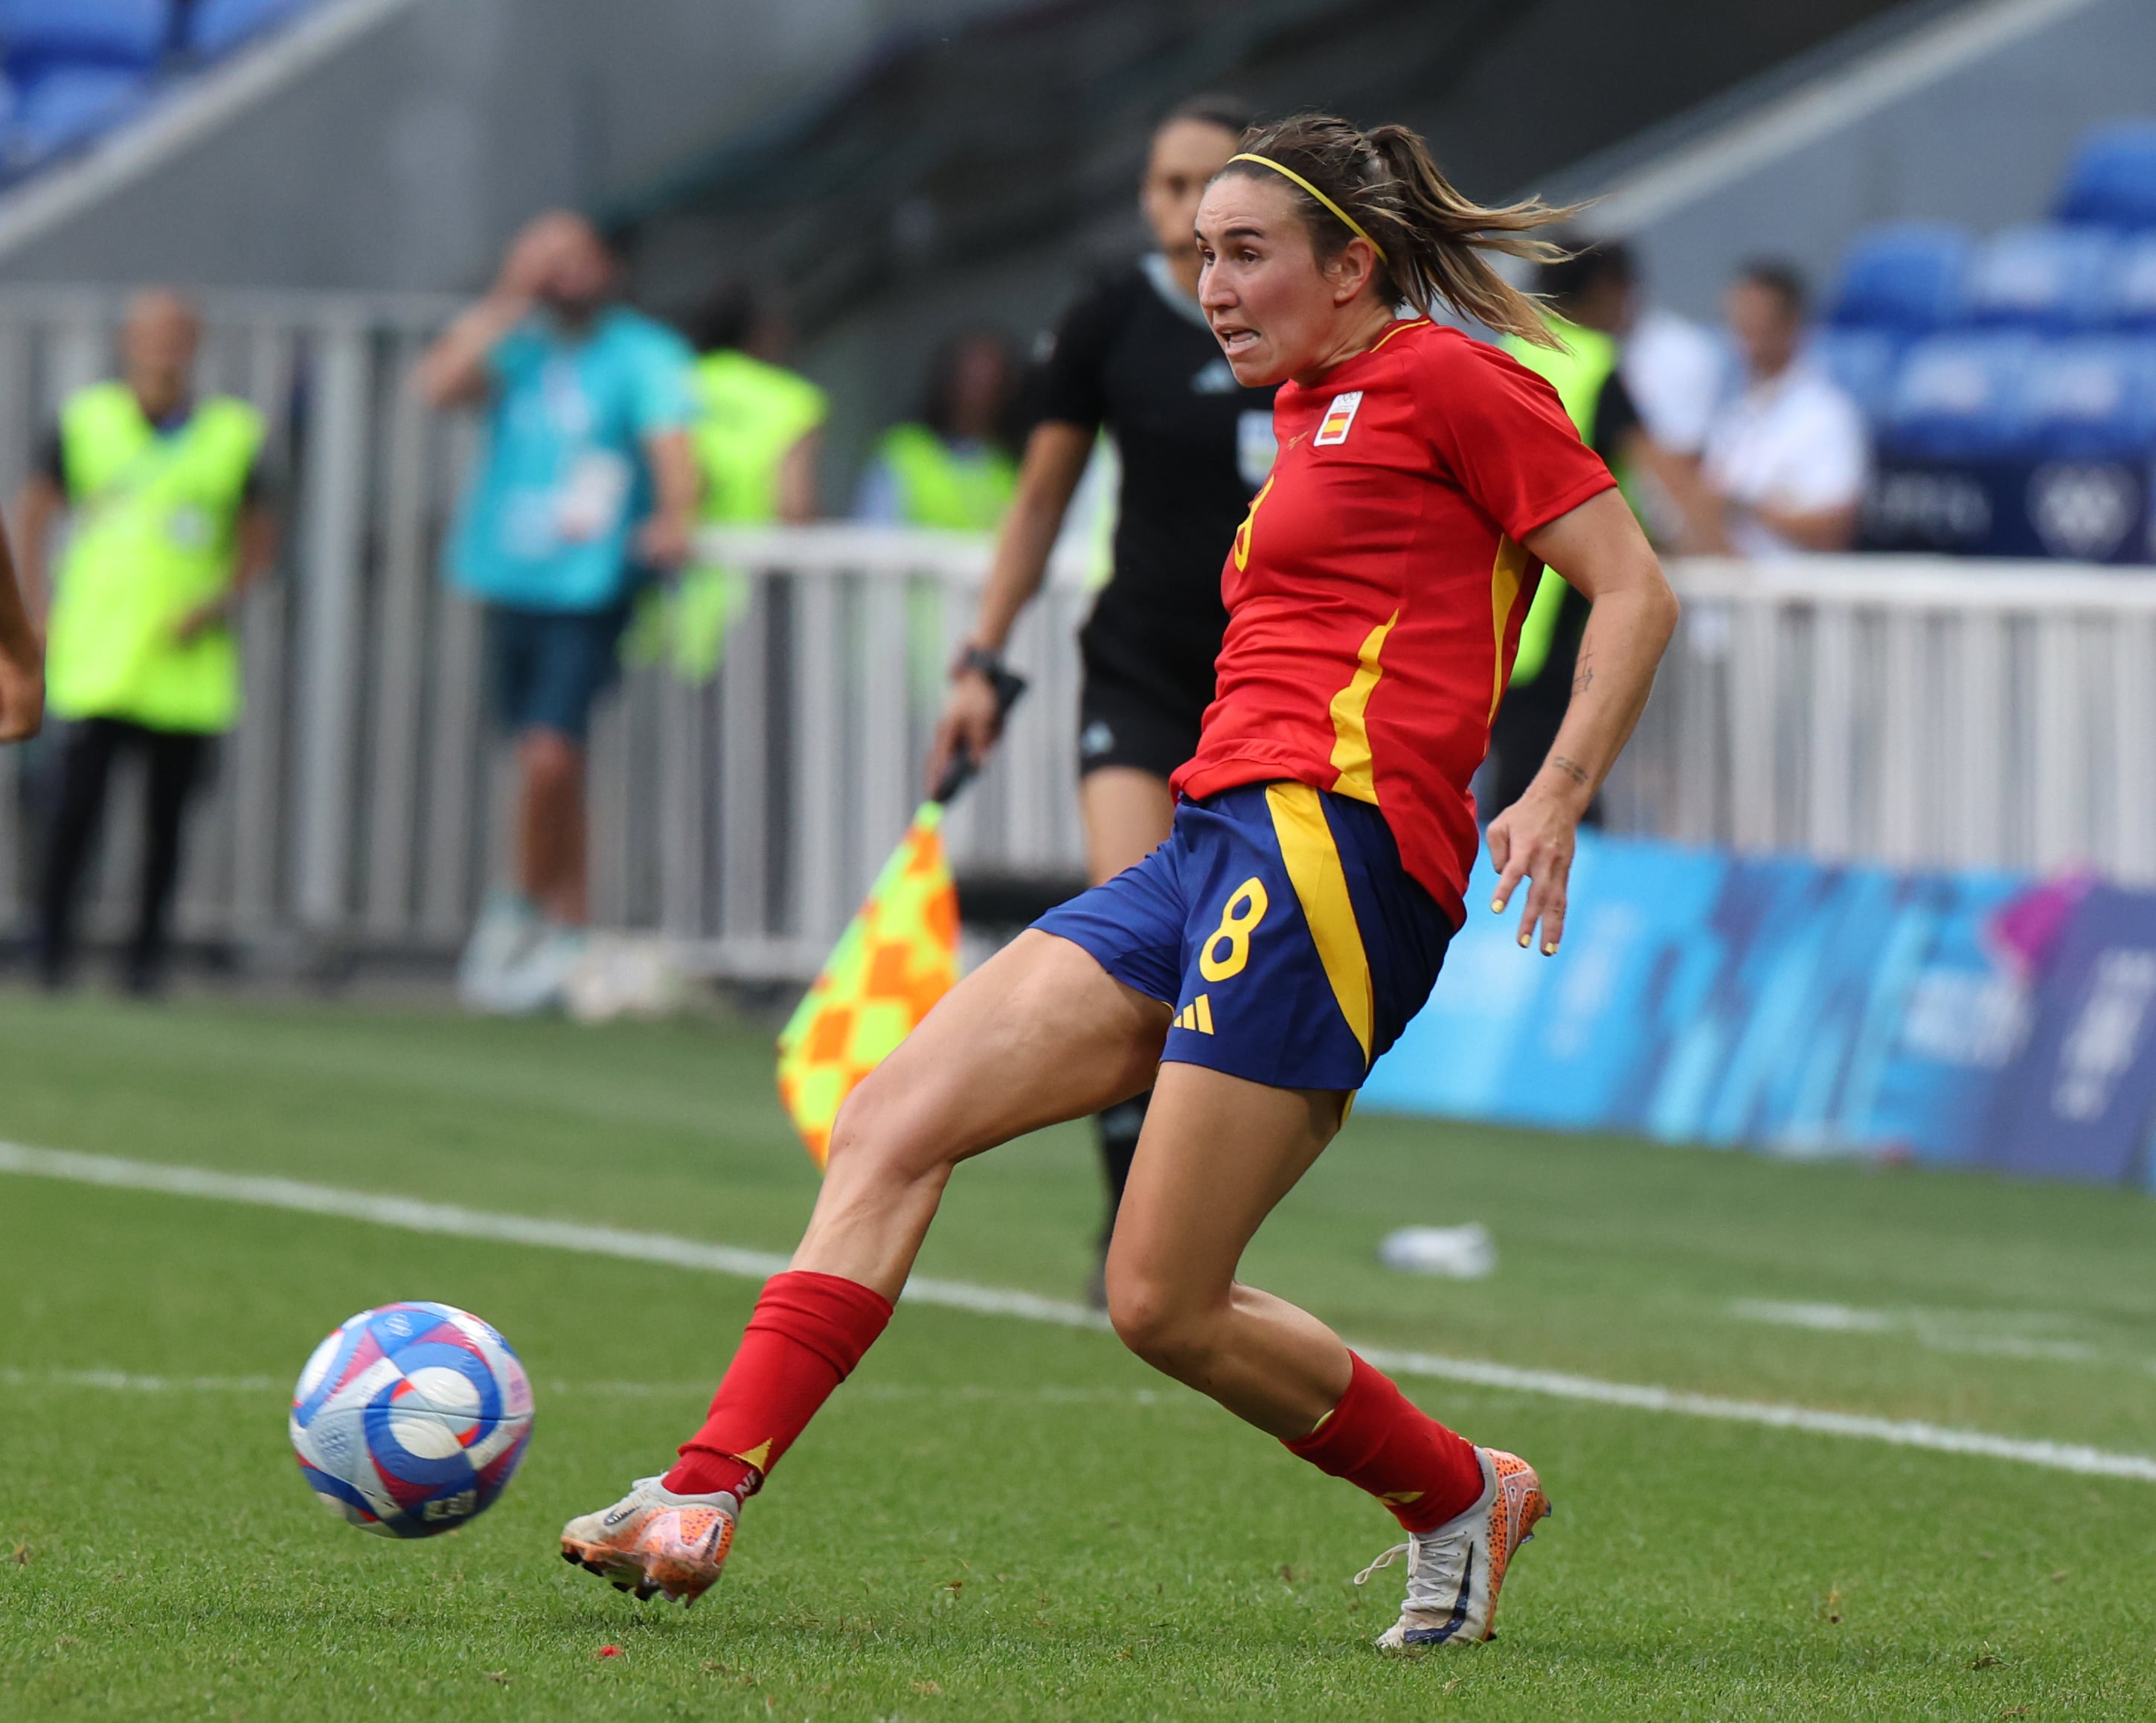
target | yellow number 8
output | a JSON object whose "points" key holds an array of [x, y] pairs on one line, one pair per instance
{"points": [[1236, 929]]}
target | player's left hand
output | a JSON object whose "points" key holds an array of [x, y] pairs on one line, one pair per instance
{"points": [[1533, 840]]}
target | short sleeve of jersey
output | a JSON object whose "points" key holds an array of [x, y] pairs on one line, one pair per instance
{"points": [[1071, 384], [658, 363], [1504, 437]]}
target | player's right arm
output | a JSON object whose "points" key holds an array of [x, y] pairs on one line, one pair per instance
{"points": [[1055, 458]]}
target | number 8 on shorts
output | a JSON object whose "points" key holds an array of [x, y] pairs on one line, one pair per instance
{"points": [[1245, 909]]}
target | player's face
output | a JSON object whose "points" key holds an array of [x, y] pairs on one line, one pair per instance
{"points": [[1185, 154], [1274, 309]]}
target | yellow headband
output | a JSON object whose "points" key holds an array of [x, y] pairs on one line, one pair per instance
{"points": [[1346, 220]]}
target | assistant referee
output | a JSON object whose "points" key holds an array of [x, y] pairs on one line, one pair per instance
{"points": [[1134, 357]]}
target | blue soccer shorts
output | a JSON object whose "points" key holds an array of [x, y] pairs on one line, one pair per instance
{"points": [[1279, 924]]}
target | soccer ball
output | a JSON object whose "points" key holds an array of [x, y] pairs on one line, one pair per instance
{"points": [[410, 1419]]}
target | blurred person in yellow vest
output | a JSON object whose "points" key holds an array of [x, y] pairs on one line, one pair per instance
{"points": [[955, 465], [169, 525], [757, 434]]}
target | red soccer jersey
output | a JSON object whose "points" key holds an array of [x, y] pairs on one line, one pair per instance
{"points": [[1375, 590]]}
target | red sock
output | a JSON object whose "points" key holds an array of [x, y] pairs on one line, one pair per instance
{"points": [[1379, 1440], [808, 1332]]}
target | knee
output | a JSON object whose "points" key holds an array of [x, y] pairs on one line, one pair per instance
{"points": [[1164, 1325], [877, 1138], [549, 757]]}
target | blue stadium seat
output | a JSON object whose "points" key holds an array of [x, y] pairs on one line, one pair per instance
{"points": [[2131, 301], [2053, 277], [67, 107], [2092, 397], [1963, 397], [1862, 361], [1907, 276], [215, 26], [36, 35], [2111, 182]]}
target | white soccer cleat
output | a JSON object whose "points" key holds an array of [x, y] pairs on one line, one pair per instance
{"points": [[507, 930], [653, 1541], [1455, 1572]]}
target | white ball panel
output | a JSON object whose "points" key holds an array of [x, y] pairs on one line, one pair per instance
{"points": [[317, 1367], [449, 1391], [420, 1432]]}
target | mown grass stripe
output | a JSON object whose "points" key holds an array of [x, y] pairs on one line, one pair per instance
{"points": [[412, 1216]]}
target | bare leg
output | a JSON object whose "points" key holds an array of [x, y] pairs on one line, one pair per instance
{"points": [[1127, 814], [1217, 1154], [1040, 1034], [549, 825]]}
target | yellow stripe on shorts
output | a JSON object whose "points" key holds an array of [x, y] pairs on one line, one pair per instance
{"points": [[1321, 886]]}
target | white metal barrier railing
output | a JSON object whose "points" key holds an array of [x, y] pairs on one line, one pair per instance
{"points": [[1911, 710], [1920, 711]]}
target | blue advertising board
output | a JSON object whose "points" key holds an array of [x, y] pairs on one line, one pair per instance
{"points": [[2077, 1102], [1704, 998]]}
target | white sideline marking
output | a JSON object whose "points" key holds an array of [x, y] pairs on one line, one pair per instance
{"points": [[1991, 1336], [402, 1212], [127, 1383]]}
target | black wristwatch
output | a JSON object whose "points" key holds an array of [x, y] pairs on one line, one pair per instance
{"points": [[982, 661]]}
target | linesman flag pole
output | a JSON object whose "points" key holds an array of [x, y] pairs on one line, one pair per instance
{"points": [[897, 957]]}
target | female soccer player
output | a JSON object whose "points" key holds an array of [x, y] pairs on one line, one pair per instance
{"points": [[1132, 355], [1279, 941]]}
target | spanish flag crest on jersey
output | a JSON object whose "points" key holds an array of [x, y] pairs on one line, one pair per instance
{"points": [[1339, 420], [897, 958]]}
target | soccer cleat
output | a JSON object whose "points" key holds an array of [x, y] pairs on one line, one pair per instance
{"points": [[508, 929], [653, 1542], [1455, 1572]]}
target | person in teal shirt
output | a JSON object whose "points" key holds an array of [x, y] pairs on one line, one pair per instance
{"points": [[586, 485]]}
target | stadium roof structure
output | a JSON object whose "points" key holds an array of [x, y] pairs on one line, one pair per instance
{"points": [[1024, 127]]}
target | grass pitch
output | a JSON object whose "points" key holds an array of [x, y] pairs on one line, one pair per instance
{"points": [[997, 1519]]}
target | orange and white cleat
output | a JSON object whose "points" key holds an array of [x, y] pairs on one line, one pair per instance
{"points": [[654, 1543], [1455, 1572]]}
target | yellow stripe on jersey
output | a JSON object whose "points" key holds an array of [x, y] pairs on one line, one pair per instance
{"points": [[1351, 746], [1312, 856], [1505, 575], [1398, 329]]}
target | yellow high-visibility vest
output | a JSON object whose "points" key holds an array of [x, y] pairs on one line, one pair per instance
{"points": [[154, 536], [1579, 371], [937, 487]]}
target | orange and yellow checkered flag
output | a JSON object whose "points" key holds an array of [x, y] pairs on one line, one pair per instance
{"points": [[897, 958]]}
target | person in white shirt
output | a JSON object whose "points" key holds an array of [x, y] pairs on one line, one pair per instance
{"points": [[1785, 461], [1678, 373]]}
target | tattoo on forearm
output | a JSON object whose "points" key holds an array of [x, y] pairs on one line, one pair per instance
{"points": [[1583, 679], [1570, 767]]}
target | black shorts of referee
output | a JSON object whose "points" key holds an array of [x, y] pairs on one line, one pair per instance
{"points": [[1143, 708]]}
